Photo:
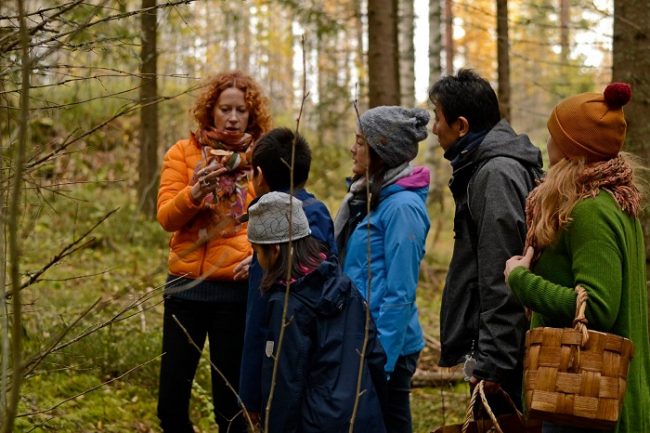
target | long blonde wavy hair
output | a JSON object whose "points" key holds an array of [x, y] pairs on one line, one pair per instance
{"points": [[550, 204]]}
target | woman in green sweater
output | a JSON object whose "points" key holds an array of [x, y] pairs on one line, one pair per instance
{"points": [[583, 229]]}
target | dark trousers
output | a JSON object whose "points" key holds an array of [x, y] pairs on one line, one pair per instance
{"points": [[223, 324], [397, 405]]}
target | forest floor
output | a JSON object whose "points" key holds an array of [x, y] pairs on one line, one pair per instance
{"points": [[107, 381]]}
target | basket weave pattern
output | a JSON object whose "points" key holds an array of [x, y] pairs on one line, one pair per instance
{"points": [[575, 376]]}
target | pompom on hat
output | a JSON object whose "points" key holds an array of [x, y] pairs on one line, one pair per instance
{"points": [[268, 219], [394, 132], [591, 125]]}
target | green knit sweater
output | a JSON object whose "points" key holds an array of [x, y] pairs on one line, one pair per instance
{"points": [[602, 249]]}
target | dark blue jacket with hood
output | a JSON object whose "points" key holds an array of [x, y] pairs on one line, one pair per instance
{"points": [[319, 363]]}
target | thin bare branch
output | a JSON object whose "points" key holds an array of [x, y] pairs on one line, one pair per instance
{"points": [[33, 30], [125, 110], [86, 25], [88, 391], [30, 365], [69, 249], [285, 306], [362, 355]]}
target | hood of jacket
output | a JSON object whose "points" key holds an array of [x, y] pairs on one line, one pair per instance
{"points": [[324, 290], [417, 181]]}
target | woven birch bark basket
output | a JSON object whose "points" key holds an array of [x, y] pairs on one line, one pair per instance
{"points": [[575, 376]]}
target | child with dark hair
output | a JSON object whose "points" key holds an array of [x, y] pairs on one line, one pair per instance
{"points": [[271, 161], [318, 363]]}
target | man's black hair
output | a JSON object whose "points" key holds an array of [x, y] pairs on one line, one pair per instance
{"points": [[272, 154], [469, 95]]}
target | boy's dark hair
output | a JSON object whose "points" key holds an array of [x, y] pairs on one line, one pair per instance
{"points": [[469, 95], [272, 153], [307, 255]]}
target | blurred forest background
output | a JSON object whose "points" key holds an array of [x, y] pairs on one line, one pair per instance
{"points": [[92, 93]]}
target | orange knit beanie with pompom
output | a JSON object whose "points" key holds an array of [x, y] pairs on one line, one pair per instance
{"points": [[591, 125]]}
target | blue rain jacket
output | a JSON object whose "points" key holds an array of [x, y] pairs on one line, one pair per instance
{"points": [[397, 229]]}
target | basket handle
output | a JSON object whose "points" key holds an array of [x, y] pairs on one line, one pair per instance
{"points": [[580, 321], [480, 391]]}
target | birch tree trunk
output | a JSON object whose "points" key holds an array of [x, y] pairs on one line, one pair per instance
{"points": [[148, 159], [406, 50], [449, 37], [435, 40], [433, 155]]}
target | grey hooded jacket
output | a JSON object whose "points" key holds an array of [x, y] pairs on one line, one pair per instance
{"points": [[479, 314]]}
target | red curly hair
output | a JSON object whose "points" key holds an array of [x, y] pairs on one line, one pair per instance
{"points": [[259, 118]]}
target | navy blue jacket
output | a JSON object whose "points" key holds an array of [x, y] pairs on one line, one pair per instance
{"points": [[322, 229], [319, 362]]}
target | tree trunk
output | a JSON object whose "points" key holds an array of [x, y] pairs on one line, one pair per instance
{"points": [[503, 58], [148, 162], [243, 40], [631, 63], [449, 37], [10, 410], [433, 155], [564, 31], [435, 40], [5, 166], [361, 60], [406, 50], [383, 59]]}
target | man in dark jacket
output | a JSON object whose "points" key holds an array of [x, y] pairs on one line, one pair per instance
{"points": [[481, 323]]}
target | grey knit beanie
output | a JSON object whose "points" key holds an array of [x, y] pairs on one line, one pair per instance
{"points": [[394, 132], [268, 219]]}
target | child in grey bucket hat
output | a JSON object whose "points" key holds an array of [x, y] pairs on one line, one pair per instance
{"points": [[268, 219], [394, 132]]}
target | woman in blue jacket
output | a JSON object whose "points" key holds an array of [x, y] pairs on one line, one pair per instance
{"points": [[393, 225]]}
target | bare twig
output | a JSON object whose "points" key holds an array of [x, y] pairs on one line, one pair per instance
{"points": [[69, 249], [285, 306], [362, 355], [30, 365], [89, 24], [115, 319], [125, 110], [33, 30], [88, 391]]}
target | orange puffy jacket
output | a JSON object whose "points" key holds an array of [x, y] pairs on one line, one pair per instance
{"points": [[195, 250]]}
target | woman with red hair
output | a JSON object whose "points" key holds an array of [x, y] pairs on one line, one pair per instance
{"points": [[204, 192]]}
